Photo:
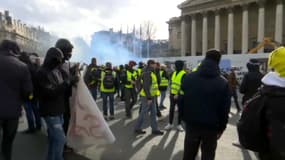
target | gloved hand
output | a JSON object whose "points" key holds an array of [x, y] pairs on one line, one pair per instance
{"points": [[74, 80]]}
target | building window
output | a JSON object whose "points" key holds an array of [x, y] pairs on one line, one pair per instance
{"points": [[178, 35]]}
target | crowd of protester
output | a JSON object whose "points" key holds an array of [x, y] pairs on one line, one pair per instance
{"points": [[202, 97]]}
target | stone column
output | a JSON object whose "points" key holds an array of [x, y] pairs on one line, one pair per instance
{"points": [[245, 29], [1, 17], [193, 36], [217, 30], [279, 22], [205, 34], [261, 25], [230, 31], [183, 36]]}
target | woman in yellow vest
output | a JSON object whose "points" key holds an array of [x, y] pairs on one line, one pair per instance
{"points": [[176, 81], [148, 95]]}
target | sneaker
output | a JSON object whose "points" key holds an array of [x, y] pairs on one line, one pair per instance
{"points": [[68, 149], [168, 127], [106, 118], [129, 116], [112, 117], [180, 128], [139, 131], [162, 107], [158, 132], [160, 118]]}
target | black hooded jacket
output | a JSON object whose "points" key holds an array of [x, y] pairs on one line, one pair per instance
{"points": [[15, 84], [251, 82], [51, 84], [275, 120], [206, 100]]}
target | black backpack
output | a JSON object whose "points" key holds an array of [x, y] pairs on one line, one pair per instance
{"points": [[123, 77], [109, 80], [252, 125]]}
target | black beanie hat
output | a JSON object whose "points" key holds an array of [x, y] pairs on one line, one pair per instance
{"points": [[214, 55], [179, 64], [64, 45]]}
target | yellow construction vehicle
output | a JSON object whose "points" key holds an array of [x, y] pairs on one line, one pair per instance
{"points": [[266, 41]]}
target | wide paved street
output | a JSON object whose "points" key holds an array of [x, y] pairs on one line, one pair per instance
{"points": [[131, 147]]}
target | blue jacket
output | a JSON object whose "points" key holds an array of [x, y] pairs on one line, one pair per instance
{"points": [[206, 100]]}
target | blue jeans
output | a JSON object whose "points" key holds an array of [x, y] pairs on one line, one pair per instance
{"points": [[93, 91], [162, 97], [111, 103], [33, 115], [144, 112], [56, 137]]}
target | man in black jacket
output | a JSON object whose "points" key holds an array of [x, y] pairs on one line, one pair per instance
{"points": [[206, 104], [69, 77], [31, 106], [92, 77], [15, 88], [251, 81]]}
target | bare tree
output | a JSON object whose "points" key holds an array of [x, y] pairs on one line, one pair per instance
{"points": [[148, 30]]}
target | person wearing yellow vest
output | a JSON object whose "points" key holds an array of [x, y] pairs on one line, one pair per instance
{"points": [[164, 81], [121, 76], [157, 73], [176, 81], [148, 94], [130, 90], [92, 77], [108, 87], [140, 68]]}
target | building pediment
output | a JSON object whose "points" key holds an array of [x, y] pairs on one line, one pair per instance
{"points": [[190, 3], [197, 6]]}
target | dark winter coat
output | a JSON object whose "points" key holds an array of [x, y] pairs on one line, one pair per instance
{"points": [[274, 90], [275, 109], [15, 83], [147, 81], [92, 76], [206, 100], [250, 83], [52, 86]]}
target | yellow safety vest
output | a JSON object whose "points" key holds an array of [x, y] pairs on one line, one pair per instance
{"points": [[130, 77], [154, 86], [164, 81], [102, 89], [93, 81], [196, 68], [140, 70], [176, 82]]}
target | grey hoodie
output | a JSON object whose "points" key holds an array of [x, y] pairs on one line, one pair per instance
{"points": [[147, 81]]}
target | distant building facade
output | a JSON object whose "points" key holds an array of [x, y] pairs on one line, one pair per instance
{"points": [[133, 43], [232, 26], [29, 38]]}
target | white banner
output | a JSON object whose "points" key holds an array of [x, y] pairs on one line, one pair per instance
{"points": [[87, 126]]}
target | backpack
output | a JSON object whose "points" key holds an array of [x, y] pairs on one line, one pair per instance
{"points": [[251, 126], [109, 80], [123, 77]]}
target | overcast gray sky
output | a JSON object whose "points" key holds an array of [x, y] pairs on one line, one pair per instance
{"points": [[73, 18]]}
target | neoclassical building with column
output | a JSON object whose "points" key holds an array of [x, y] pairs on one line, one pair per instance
{"points": [[231, 26]]}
